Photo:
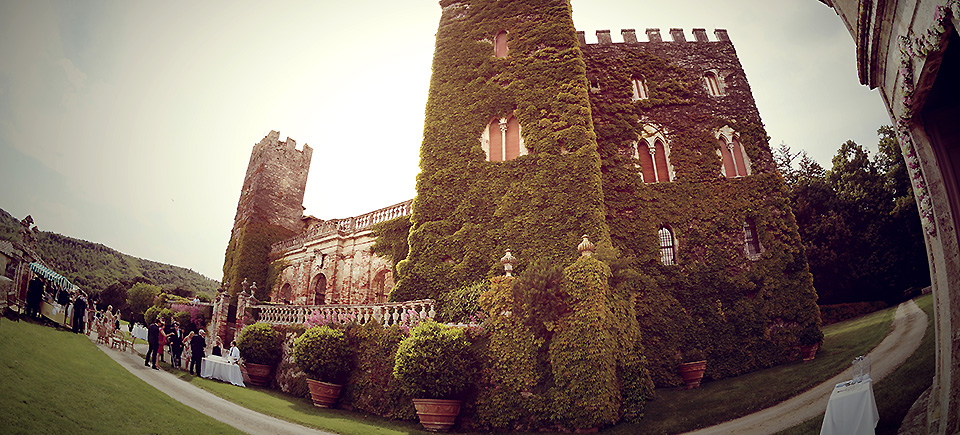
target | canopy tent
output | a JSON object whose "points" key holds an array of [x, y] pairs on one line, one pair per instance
{"points": [[51, 277]]}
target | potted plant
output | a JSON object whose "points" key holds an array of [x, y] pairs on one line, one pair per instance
{"points": [[433, 365], [692, 366], [260, 347], [322, 353], [810, 339]]}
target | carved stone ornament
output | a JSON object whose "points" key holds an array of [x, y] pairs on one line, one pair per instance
{"points": [[585, 247], [508, 261]]}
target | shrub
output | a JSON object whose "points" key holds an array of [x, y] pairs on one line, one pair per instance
{"points": [[433, 362], [461, 305], [322, 354], [259, 344], [151, 315], [810, 335], [840, 312]]}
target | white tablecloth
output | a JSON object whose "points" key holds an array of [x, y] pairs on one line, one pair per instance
{"points": [[220, 368], [139, 331], [852, 410]]}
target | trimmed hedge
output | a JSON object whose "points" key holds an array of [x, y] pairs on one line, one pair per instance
{"points": [[840, 312]]}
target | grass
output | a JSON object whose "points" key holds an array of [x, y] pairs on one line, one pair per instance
{"points": [[896, 392], [674, 411], [56, 381]]}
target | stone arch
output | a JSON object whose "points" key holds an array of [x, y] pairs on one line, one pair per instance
{"points": [[285, 291], [319, 289], [379, 286]]}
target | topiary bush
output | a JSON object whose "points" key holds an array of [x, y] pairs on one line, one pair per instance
{"points": [[322, 353], [260, 344], [434, 362]]}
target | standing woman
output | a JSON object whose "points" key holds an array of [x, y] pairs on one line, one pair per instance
{"points": [[163, 337]]}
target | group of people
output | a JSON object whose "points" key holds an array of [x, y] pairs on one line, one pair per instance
{"points": [[79, 312], [160, 335]]}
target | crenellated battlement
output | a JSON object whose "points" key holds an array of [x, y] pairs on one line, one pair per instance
{"points": [[629, 36]]}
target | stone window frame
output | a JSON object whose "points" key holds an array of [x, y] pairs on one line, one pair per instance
{"points": [[727, 138], [668, 245], [649, 136], [502, 123], [713, 83], [639, 87], [752, 247], [501, 36]]}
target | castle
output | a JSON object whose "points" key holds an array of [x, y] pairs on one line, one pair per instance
{"points": [[533, 138]]}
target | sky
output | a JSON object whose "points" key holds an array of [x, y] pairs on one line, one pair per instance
{"points": [[130, 123]]}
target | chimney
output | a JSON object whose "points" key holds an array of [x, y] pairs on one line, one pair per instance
{"points": [[700, 35], [629, 35], [677, 35], [653, 35], [581, 37], [603, 37], [721, 35]]}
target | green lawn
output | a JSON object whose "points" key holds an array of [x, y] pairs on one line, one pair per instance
{"points": [[896, 392], [54, 381], [106, 396]]}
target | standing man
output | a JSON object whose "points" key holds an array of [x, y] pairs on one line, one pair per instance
{"points": [[176, 344], [34, 297], [153, 343], [79, 313], [197, 344]]}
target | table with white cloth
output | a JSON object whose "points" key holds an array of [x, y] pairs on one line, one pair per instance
{"points": [[851, 410], [221, 368], [139, 331]]}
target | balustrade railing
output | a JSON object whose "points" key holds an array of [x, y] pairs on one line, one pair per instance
{"points": [[348, 225], [387, 314]]}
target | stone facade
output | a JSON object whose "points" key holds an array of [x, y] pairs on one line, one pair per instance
{"points": [[910, 51], [330, 262]]}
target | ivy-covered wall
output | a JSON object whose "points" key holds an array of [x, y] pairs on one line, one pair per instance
{"points": [[743, 313], [539, 204]]}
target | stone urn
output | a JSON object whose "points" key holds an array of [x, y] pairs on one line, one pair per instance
{"points": [[324, 394], [259, 373], [692, 373], [437, 415], [809, 352]]}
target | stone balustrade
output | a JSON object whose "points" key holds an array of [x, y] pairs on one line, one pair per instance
{"points": [[343, 226], [387, 314]]}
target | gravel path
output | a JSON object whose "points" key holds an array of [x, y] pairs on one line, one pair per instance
{"points": [[909, 325], [243, 419]]}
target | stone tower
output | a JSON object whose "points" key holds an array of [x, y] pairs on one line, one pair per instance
{"points": [[270, 208]]}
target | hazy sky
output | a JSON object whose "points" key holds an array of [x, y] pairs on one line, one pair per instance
{"points": [[130, 123]]}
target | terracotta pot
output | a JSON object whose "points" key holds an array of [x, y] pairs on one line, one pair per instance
{"points": [[259, 374], [692, 373], [809, 352], [324, 394], [437, 415]]}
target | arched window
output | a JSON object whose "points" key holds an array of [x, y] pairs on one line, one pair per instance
{"points": [[654, 155], [668, 247], [751, 241], [379, 287], [735, 162], [500, 44], [502, 141], [639, 89], [713, 83], [320, 289]]}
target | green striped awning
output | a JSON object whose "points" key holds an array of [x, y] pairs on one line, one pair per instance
{"points": [[51, 277]]}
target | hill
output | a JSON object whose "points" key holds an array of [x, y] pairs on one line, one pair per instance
{"points": [[95, 267]]}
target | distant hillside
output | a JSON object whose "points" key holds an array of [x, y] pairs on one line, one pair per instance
{"points": [[94, 266]]}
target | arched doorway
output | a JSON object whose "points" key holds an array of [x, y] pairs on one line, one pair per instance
{"points": [[285, 293], [319, 289], [379, 287]]}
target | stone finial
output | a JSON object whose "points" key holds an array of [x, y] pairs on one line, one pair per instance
{"points": [[603, 37], [629, 35], [700, 35], [722, 35], [581, 37], [677, 35], [653, 35], [252, 290], [508, 261], [586, 247]]}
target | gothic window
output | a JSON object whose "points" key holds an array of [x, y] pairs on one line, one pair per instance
{"points": [[500, 44], [654, 155], [668, 246], [750, 239], [713, 83], [639, 89], [735, 162], [502, 141]]}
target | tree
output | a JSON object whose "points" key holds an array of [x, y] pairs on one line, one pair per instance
{"points": [[140, 297]]}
